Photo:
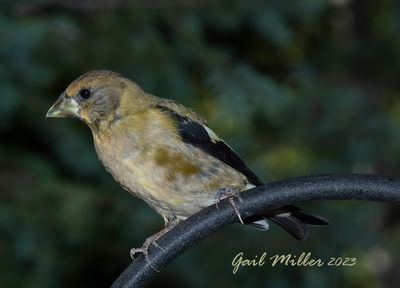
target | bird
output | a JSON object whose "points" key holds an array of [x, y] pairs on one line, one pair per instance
{"points": [[165, 153]]}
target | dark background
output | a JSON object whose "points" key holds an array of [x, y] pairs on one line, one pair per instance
{"points": [[296, 87]]}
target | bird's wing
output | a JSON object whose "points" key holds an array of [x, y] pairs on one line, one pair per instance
{"points": [[176, 108], [194, 131]]}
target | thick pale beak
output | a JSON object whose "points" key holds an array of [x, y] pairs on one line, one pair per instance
{"points": [[64, 107]]}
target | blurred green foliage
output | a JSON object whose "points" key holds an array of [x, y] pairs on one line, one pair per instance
{"points": [[296, 87]]}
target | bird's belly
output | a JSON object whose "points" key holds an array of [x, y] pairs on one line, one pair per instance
{"points": [[159, 187], [173, 185]]}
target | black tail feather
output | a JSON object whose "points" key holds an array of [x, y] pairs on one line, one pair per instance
{"points": [[291, 218], [311, 219], [293, 226]]}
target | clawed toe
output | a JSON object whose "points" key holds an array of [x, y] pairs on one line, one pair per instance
{"points": [[143, 250], [135, 251], [158, 246], [232, 201], [231, 193], [146, 245]]}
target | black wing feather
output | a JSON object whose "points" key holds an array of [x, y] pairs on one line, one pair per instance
{"points": [[194, 133]]}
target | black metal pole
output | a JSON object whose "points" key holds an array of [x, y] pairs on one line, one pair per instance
{"points": [[271, 195]]}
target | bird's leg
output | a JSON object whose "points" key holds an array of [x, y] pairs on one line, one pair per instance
{"points": [[231, 193], [146, 245]]}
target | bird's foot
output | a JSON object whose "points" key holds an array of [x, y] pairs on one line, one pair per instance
{"points": [[146, 245], [231, 193]]}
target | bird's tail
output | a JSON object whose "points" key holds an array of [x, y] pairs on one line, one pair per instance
{"points": [[291, 218]]}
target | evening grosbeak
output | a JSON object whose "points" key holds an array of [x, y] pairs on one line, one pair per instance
{"points": [[164, 153]]}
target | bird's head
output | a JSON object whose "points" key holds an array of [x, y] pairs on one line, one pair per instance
{"points": [[95, 97]]}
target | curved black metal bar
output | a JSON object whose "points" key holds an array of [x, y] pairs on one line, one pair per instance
{"points": [[271, 195]]}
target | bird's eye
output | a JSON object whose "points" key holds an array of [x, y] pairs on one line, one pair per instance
{"points": [[85, 93]]}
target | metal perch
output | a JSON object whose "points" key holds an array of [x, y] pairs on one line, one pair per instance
{"points": [[271, 195]]}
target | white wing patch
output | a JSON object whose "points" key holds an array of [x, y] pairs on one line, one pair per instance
{"points": [[214, 137]]}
